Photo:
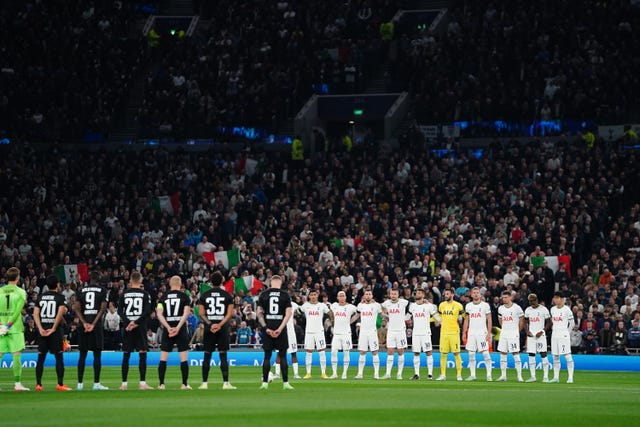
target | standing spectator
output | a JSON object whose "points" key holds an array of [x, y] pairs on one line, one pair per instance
{"points": [[152, 338], [633, 335], [620, 339], [591, 344]]}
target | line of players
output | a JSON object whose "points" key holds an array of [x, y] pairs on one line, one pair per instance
{"points": [[215, 308], [477, 326], [275, 313]]}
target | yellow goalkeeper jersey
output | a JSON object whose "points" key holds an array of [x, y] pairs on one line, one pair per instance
{"points": [[450, 311]]}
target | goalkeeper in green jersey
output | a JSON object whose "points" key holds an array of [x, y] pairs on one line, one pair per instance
{"points": [[12, 300]]}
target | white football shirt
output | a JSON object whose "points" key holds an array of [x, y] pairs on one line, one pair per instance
{"points": [[397, 312], [510, 318], [342, 318], [314, 314], [561, 318], [368, 317], [422, 314], [537, 317], [290, 325], [477, 317]]}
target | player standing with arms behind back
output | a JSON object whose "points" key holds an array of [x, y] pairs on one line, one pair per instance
{"points": [[90, 307], [12, 300], [395, 309], [173, 311], [49, 314], [511, 317], [536, 318], [422, 312], [344, 314], [450, 311], [134, 309], [477, 329], [563, 322], [292, 342], [368, 338], [215, 308], [274, 311], [314, 338]]}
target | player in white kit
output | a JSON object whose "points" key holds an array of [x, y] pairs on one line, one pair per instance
{"points": [[422, 311], [344, 314], [314, 338], [477, 330], [511, 318], [537, 320], [293, 344], [562, 320], [368, 310], [395, 310]]}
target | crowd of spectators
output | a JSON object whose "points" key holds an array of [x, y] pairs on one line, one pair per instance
{"points": [[523, 61], [66, 66], [340, 222], [255, 63]]}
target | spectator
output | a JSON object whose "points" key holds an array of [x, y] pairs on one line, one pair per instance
{"points": [[577, 345], [198, 337], [152, 339], [244, 335], [112, 333], [591, 344], [620, 339], [30, 332], [633, 335], [606, 337]]}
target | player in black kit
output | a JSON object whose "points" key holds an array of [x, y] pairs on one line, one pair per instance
{"points": [[49, 314], [274, 311], [172, 313], [215, 307], [90, 307], [134, 309]]}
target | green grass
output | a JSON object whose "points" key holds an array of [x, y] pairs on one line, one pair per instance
{"points": [[596, 398]]}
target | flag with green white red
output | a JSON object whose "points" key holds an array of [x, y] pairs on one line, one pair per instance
{"points": [[69, 273], [229, 259], [247, 284]]}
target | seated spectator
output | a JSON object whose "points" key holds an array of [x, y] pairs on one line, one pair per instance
{"points": [[591, 344], [244, 335], [633, 335], [112, 332], [577, 345], [198, 337], [30, 332], [605, 337], [152, 339], [620, 339]]}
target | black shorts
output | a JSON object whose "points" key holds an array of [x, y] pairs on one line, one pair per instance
{"points": [[181, 340], [136, 340], [52, 344], [218, 341], [91, 341], [281, 343]]}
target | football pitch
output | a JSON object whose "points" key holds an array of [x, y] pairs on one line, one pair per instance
{"points": [[596, 398]]}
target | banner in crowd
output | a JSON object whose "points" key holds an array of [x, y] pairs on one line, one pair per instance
{"points": [[68, 273], [228, 258], [168, 203], [583, 362]]}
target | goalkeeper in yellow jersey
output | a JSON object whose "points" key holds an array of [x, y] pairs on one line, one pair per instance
{"points": [[450, 312]]}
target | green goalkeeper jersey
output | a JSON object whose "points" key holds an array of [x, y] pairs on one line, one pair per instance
{"points": [[12, 300]]}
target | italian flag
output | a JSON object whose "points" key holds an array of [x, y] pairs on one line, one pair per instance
{"points": [[246, 284], [67, 273], [169, 204], [228, 258], [553, 262]]}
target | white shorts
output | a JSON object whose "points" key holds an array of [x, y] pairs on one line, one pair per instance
{"points": [[421, 344], [341, 342], [560, 343], [509, 344], [537, 345], [314, 342], [293, 341], [368, 342], [397, 339], [477, 343]]}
